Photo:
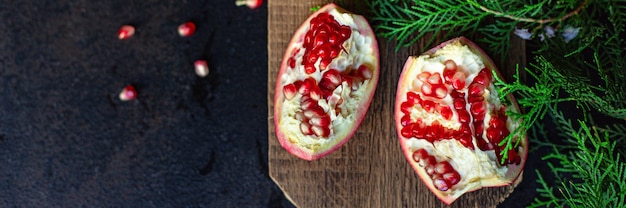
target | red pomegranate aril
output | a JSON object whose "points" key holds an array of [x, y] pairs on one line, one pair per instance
{"points": [[201, 67], [475, 99], [125, 32], [478, 130], [309, 68], [406, 119], [252, 4], [306, 86], [345, 32], [477, 108], [457, 94], [305, 128], [315, 93], [476, 90], [423, 76], [466, 140], [483, 78], [365, 72], [451, 178], [430, 169], [428, 160], [320, 131], [186, 29], [320, 121], [440, 91], [458, 81], [128, 93], [407, 131], [320, 39], [435, 79], [333, 39], [443, 167], [464, 116], [446, 112], [290, 91], [459, 103], [406, 107], [450, 65], [427, 89], [307, 103], [315, 111], [440, 183], [291, 62], [419, 130], [428, 105], [419, 155], [413, 98]]}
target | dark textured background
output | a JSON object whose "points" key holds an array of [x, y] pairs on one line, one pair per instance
{"points": [[66, 140]]}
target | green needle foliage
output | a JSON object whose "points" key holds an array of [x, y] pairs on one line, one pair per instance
{"points": [[588, 168]]}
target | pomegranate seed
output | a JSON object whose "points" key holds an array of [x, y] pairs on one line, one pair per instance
{"points": [[459, 103], [419, 155], [477, 108], [458, 81], [413, 98], [475, 99], [464, 116], [345, 32], [307, 103], [466, 140], [435, 78], [450, 65], [305, 128], [440, 183], [423, 76], [407, 132], [448, 75], [365, 72], [494, 135], [291, 62], [320, 121], [128, 93], [483, 77], [125, 32], [406, 107], [443, 167], [440, 91], [333, 76], [315, 111], [428, 160], [476, 90], [252, 4], [428, 105], [405, 120], [315, 93], [446, 112], [320, 131], [201, 68], [307, 85], [457, 94], [186, 29], [320, 40], [478, 130], [289, 91], [452, 178], [309, 68], [430, 169], [333, 39], [427, 89]]}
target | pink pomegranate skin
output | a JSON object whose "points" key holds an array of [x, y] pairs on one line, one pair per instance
{"points": [[359, 110], [513, 174]]}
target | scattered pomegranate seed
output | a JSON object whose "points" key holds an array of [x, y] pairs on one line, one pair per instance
{"points": [[125, 32], [128, 93], [187, 29], [201, 68], [252, 4]]}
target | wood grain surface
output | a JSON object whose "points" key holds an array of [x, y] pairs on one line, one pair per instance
{"points": [[370, 170]]}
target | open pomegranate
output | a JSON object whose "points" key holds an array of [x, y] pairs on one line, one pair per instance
{"points": [[326, 82], [450, 121]]}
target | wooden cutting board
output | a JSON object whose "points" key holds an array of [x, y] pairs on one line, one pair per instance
{"points": [[370, 170]]}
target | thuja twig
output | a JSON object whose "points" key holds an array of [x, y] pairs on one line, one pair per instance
{"points": [[540, 21]]}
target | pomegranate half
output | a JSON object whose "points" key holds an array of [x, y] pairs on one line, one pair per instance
{"points": [[326, 82], [450, 121]]}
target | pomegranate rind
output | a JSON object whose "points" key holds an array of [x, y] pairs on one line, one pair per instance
{"points": [[513, 175], [290, 144]]}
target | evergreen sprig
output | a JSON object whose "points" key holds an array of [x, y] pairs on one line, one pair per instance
{"points": [[588, 169]]}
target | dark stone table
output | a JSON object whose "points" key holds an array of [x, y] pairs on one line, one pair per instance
{"points": [[66, 140]]}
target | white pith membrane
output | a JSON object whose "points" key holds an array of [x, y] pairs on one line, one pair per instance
{"points": [[476, 167], [359, 52]]}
